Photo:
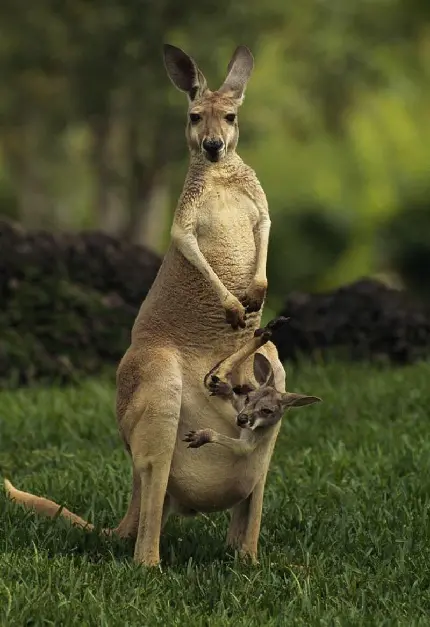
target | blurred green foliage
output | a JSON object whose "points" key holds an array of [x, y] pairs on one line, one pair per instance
{"points": [[335, 120], [302, 252], [405, 241]]}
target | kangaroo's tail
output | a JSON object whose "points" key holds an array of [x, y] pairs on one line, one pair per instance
{"points": [[44, 506]]}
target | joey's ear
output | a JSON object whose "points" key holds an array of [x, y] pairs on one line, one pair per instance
{"points": [[263, 371], [183, 72], [239, 70], [298, 400]]}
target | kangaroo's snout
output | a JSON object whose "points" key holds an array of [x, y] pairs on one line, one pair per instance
{"points": [[212, 148]]}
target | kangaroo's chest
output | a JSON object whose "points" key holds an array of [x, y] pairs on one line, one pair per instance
{"points": [[226, 233], [221, 207], [223, 210]]}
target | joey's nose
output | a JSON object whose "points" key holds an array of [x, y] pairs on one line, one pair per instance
{"points": [[213, 146], [242, 420]]}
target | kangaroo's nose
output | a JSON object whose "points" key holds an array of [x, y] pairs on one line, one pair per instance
{"points": [[213, 146], [242, 420]]}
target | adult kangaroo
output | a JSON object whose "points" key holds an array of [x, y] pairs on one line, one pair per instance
{"points": [[204, 304]]}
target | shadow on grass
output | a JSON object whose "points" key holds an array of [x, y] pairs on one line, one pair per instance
{"points": [[200, 539]]}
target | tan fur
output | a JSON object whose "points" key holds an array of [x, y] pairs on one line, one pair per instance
{"points": [[214, 269], [44, 506]]}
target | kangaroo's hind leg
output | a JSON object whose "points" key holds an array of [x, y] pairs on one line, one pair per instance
{"points": [[151, 421]]}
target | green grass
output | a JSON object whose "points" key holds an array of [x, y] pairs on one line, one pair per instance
{"points": [[345, 537]]}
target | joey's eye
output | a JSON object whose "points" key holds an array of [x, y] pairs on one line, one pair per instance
{"points": [[230, 117], [266, 411], [194, 118]]}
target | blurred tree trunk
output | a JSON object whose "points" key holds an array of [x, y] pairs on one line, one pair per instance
{"points": [[153, 221], [140, 184], [19, 144], [147, 201], [108, 204], [146, 160]]}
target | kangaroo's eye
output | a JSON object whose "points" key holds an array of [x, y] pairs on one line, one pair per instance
{"points": [[194, 118], [230, 117], [266, 411]]}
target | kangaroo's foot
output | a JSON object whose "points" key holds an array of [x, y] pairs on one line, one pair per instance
{"points": [[265, 333], [219, 387]]}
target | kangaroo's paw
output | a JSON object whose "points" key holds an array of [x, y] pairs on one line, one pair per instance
{"points": [[254, 296]]}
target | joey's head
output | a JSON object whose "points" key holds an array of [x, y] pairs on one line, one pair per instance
{"points": [[212, 129], [264, 405]]}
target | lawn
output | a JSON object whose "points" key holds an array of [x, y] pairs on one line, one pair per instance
{"points": [[345, 537]]}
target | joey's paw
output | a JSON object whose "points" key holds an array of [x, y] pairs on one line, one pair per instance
{"points": [[254, 296], [196, 439], [235, 313]]}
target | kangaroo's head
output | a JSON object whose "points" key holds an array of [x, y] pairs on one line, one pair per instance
{"points": [[212, 129], [264, 406]]}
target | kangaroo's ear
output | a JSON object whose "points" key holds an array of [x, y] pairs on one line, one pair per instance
{"points": [[239, 71], [298, 400], [263, 371], [183, 72]]}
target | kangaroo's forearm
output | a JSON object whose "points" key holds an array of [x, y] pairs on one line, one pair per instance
{"points": [[263, 231], [187, 244]]}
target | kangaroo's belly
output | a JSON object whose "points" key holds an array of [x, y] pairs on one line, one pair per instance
{"points": [[212, 478]]}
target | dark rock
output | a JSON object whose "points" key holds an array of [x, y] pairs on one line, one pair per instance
{"points": [[365, 320], [67, 302]]}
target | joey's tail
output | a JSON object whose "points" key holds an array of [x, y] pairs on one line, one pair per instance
{"points": [[45, 506]]}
